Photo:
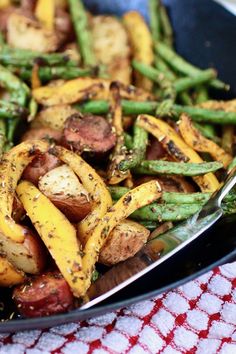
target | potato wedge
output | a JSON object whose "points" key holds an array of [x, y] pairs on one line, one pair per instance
{"points": [[93, 183], [25, 33], [9, 276], [53, 117], [177, 148], [83, 88], [198, 142], [63, 188], [28, 256], [111, 47], [56, 232], [124, 241], [141, 43]]}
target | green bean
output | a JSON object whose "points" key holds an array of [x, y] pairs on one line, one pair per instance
{"points": [[136, 107], [47, 73], [185, 98], [166, 27], [186, 83], [155, 25], [128, 141], [27, 58], [140, 141], [201, 94], [206, 115], [175, 197], [165, 212], [174, 212], [81, 26], [178, 85], [11, 82], [164, 68], [11, 110], [182, 66], [168, 92], [177, 168]]}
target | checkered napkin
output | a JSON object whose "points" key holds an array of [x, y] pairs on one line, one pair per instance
{"points": [[199, 317]]}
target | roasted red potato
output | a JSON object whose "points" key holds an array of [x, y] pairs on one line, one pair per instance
{"points": [[63, 188], [125, 240]]}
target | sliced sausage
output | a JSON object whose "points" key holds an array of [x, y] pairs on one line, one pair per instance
{"points": [[40, 165], [88, 133], [43, 295]]}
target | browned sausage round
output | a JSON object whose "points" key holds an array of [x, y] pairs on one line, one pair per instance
{"points": [[40, 165], [88, 133], [44, 295], [42, 133]]}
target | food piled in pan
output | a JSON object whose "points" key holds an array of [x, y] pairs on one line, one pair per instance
{"points": [[107, 139]]}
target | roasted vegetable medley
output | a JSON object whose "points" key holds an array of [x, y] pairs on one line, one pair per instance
{"points": [[107, 139]]}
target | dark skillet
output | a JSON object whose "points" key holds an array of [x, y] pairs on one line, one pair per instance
{"points": [[205, 35]]}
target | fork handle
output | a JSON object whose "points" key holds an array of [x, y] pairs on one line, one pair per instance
{"points": [[227, 186]]}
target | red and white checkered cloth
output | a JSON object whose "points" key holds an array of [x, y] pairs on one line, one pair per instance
{"points": [[199, 317]]}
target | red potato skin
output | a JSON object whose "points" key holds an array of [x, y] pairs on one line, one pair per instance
{"points": [[40, 165], [36, 248], [44, 295], [75, 211], [88, 133]]}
